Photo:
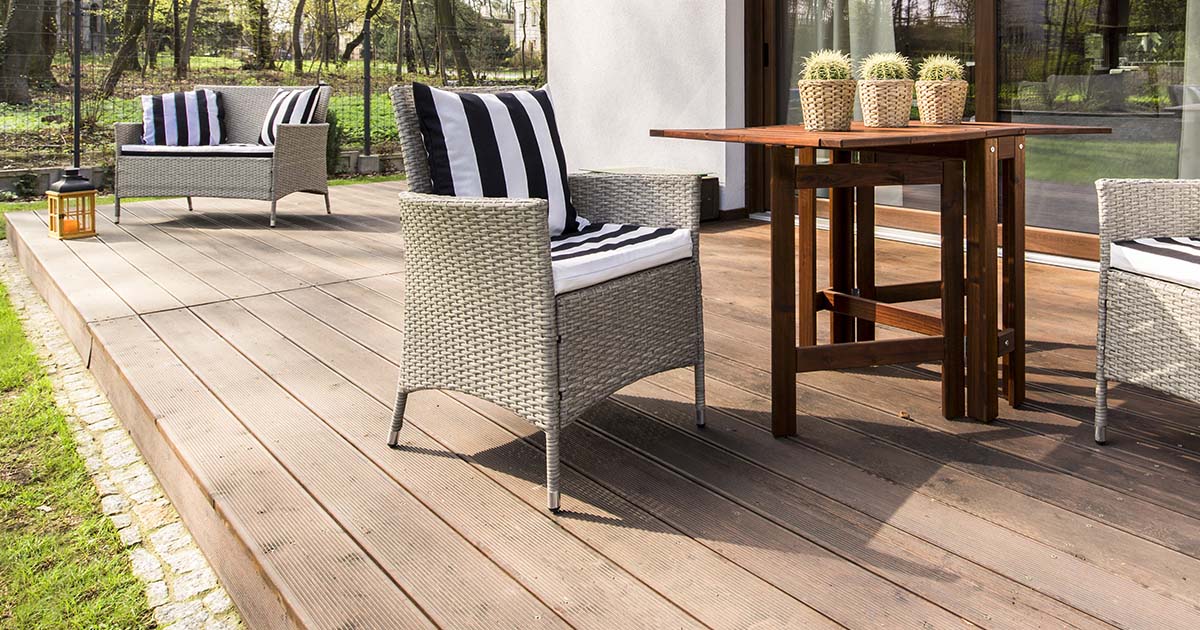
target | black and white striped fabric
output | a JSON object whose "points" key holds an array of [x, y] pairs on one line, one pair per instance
{"points": [[183, 119], [289, 107], [1170, 259], [218, 150], [601, 252], [496, 145]]}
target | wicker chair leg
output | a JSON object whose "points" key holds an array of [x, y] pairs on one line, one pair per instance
{"points": [[552, 496], [272, 213], [116, 209], [327, 209], [700, 393], [1101, 408], [398, 417], [189, 200]]}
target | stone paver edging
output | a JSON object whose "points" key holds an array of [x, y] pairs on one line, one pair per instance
{"points": [[181, 587]]}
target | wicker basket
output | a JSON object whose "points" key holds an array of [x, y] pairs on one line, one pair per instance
{"points": [[885, 102], [942, 102], [827, 104]]}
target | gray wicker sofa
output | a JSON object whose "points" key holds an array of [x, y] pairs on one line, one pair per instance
{"points": [[295, 164], [1149, 324], [482, 315]]}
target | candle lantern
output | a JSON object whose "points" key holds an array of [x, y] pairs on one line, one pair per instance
{"points": [[72, 202]]}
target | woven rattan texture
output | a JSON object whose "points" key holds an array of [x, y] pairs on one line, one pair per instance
{"points": [[941, 102], [827, 105], [885, 103]]}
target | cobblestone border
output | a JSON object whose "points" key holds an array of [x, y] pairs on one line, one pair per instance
{"points": [[181, 587]]}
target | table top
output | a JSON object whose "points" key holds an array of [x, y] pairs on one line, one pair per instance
{"points": [[860, 137]]}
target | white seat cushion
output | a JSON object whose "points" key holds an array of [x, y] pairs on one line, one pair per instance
{"points": [[214, 150], [1171, 259], [604, 251]]}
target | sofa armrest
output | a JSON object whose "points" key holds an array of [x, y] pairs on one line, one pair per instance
{"points": [[479, 300], [127, 133], [300, 158], [651, 200]]}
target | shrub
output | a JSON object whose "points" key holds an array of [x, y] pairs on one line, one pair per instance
{"points": [[26, 185], [940, 68], [884, 66], [826, 65], [333, 143]]}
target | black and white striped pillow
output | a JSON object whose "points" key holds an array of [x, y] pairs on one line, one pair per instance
{"points": [[183, 119], [289, 107], [496, 145]]}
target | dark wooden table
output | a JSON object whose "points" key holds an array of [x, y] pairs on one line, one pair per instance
{"points": [[991, 156]]}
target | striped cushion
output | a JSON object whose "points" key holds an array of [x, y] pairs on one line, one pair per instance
{"points": [[289, 107], [496, 145], [219, 150], [1171, 259], [603, 251], [183, 119]]}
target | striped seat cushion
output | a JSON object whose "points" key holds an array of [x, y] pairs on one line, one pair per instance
{"points": [[289, 107], [496, 145], [219, 150], [1170, 259], [601, 252], [183, 119]]}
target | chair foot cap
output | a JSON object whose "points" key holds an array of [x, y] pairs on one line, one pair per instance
{"points": [[552, 501], [393, 439]]}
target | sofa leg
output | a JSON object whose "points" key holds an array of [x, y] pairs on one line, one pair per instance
{"points": [[272, 213], [398, 416], [116, 209], [700, 394], [1101, 409], [327, 210], [189, 200], [552, 497]]}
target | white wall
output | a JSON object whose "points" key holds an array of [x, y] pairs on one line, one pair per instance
{"points": [[619, 68]]}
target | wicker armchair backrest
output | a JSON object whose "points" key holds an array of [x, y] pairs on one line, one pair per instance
{"points": [[1146, 208], [412, 146], [246, 108]]}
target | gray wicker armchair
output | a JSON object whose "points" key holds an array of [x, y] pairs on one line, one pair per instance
{"points": [[297, 163], [482, 316], [1149, 328]]}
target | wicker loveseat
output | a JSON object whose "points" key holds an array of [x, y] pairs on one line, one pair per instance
{"points": [[296, 163], [1149, 325], [482, 314]]}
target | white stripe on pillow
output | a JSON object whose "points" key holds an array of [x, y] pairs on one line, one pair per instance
{"points": [[183, 119], [603, 251], [496, 145], [1171, 259], [289, 107]]}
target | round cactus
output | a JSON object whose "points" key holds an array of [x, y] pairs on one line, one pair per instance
{"points": [[825, 65], [884, 66], [940, 68]]}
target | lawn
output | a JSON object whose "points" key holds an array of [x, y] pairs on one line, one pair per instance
{"points": [[1083, 161], [62, 564]]}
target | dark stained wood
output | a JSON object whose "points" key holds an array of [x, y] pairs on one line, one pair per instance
{"points": [[982, 199], [887, 314], [782, 162], [868, 353], [951, 291], [871, 138], [844, 174], [1012, 194], [864, 248], [987, 50], [841, 243], [806, 249], [911, 291]]}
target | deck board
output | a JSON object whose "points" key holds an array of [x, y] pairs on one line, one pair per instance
{"points": [[256, 367]]}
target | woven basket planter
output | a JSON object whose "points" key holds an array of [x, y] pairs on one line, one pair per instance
{"points": [[885, 102], [942, 102], [827, 104]]}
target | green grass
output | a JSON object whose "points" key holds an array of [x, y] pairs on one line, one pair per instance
{"points": [[62, 564], [1083, 161]]}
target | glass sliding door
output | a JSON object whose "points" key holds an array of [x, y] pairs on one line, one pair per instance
{"points": [[1132, 65]]}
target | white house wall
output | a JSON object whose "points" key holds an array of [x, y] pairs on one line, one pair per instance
{"points": [[618, 68]]}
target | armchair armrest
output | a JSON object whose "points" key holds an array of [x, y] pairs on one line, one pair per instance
{"points": [[652, 200], [300, 158], [127, 133], [1144, 208], [479, 300]]}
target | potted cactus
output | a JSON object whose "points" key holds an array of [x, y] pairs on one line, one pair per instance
{"points": [[885, 90], [941, 90], [827, 91]]}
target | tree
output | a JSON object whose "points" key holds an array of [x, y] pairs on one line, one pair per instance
{"points": [[447, 26], [371, 11], [132, 23], [185, 55], [260, 29], [297, 52], [22, 20], [47, 44]]}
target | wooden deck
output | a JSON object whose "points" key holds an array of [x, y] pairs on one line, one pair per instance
{"points": [[255, 369]]}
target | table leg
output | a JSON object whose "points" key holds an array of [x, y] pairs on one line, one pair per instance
{"points": [[953, 403], [1013, 198], [864, 248], [982, 209], [806, 272], [782, 169], [841, 251]]}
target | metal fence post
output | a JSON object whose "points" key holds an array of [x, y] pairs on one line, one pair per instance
{"points": [[367, 85]]}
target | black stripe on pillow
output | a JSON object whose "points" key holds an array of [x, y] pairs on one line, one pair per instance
{"points": [[289, 107], [496, 145], [183, 119], [613, 240]]}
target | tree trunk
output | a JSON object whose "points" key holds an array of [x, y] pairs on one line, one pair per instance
{"points": [[40, 70], [449, 26], [542, 39], [185, 55], [264, 59], [297, 53], [416, 29], [151, 48], [370, 13], [131, 27], [17, 45]]}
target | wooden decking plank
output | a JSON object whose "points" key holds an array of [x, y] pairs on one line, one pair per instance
{"points": [[580, 583], [165, 272], [374, 303], [321, 573], [456, 586], [352, 322], [141, 293]]}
